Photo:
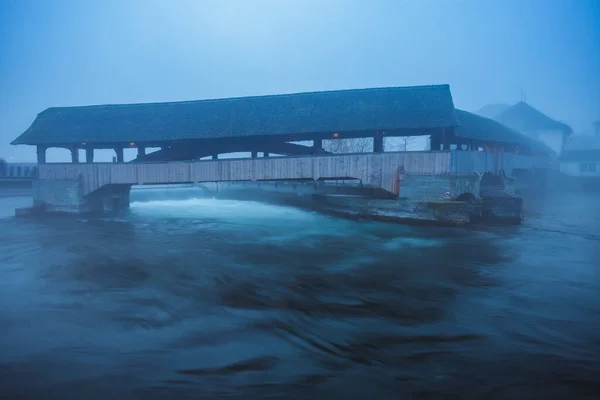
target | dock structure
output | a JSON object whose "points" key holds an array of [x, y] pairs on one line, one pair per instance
{"points": [[463, 145]]}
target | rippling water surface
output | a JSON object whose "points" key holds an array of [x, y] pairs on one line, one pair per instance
{"points": [[213, 298]]}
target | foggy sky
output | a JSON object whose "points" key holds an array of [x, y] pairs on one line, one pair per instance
{"points": [[71, 52]]}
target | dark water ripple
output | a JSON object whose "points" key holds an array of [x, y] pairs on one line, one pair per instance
{"points": [[209, 299]]}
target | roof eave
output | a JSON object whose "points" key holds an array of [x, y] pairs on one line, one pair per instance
{"points": [[17, 142], [391, 132]]}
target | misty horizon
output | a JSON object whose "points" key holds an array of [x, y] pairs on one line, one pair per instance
{"points": [[76, 54], [434, 238]]}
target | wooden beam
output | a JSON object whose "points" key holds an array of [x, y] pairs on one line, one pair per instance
{"points": [[74, 155], [436, 142], [120, 157], [249, 139], [317, 145], [378, 142], [41, 154], [89, 155], [188, 153]]}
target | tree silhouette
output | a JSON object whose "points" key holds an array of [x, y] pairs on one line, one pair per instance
{"points": [[365, 145], [348, 146], [403, 143]]}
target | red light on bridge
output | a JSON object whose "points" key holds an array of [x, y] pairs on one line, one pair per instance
{"points": [[132, 144], [83, 143], [336, 134]]}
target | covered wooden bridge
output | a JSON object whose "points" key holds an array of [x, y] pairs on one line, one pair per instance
{"points": [[191, 130], [462, 143]]}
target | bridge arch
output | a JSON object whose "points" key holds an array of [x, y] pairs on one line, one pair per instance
{"points": [[179, 152], [466, 197]]}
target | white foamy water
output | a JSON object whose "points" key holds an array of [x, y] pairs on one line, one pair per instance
{"points": [[280, 225], [227, 210]]}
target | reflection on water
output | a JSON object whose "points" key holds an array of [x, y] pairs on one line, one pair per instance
{"points": [[219, 298]]}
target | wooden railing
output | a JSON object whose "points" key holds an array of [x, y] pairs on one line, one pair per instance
{"points": [[377, 169], [466, 162]]}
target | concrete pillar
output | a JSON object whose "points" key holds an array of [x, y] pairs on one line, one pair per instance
{"points": [[266, 154], [110, 199], [119, 199], [254, 154], [41, 154], [89, 155], [74, 155], [215, 156], [120, 157], [141, 151], [378, 143]]}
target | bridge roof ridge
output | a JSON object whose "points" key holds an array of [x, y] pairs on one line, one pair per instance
{"points": [[257, 97], [347, 110]]}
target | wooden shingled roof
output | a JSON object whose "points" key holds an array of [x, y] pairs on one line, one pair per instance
{"points": [[474, 126], [394, 108]]}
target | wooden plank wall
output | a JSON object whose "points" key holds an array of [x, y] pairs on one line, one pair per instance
{"points": [[376, 169], [467, 162]]}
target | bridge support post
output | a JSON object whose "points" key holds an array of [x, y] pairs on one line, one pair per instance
{"points": [[89, 155], [317, 145], [74, 155], [254, 154], [41, 154], [120, 157], [266, 154], [435, 142], [378, 142], [447, 136], [141, 151]]}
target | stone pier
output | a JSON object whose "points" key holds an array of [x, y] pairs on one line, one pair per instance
{"points": [[67, 196]]}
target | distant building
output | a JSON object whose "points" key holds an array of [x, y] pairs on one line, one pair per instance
{"points": [[582, 142], [492, 110], [533, 123], [583, 163], [581, 159]]}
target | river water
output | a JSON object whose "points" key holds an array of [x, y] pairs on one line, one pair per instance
{"points": [[206, 298]]}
